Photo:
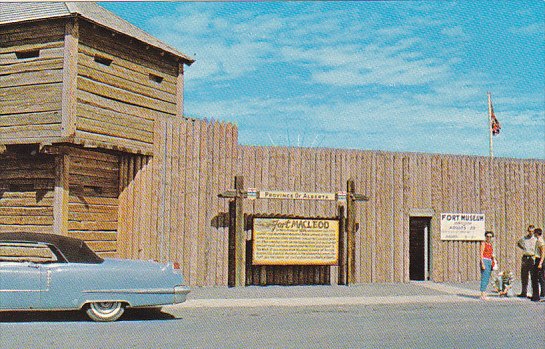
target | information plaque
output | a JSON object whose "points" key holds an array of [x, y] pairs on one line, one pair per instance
{"points": [[287, 241], [462, 226]]}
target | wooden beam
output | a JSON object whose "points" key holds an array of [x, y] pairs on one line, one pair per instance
{"points": [[61, 198], [180, 91], [228, 194], [337, 272], [360, 197], [231, 248], [69, 78], [351, 231], [240, 235]]}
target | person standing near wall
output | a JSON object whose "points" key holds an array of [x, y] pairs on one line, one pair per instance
{"points": [[487, 255], [537, 270], [528, 245]]}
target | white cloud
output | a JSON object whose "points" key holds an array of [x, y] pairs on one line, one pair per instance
{"points": [[456, 32], [339, 47], [384, 122], [350, 71], [530, 29]]}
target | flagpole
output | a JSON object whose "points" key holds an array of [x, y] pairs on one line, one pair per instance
{"points": [[490, 125]]}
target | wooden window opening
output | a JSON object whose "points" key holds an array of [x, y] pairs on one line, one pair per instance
{"points": [[21, 187], [103, 60], [27, 54], [155, 78], [94, 188]]}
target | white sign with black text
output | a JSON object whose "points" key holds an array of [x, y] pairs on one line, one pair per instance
{"points": [[462, 226]]}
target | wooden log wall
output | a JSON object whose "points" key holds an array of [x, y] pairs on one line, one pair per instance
{"points": [[289, 169], [511, 193], [93, 199], [30, 84], [122, 89], [169, 209], [35, 254], [27, 185]]}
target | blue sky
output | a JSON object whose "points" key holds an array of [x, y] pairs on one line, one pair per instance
{"points": [[394, 76]]}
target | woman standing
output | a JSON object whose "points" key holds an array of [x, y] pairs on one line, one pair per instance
{"points": [[487, 255]]}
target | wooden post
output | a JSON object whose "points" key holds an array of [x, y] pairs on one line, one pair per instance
{"points": [[342, 252], [231, 277], [180, 91], [240, 235], [69, 78], [60, 206], [350, 231]]}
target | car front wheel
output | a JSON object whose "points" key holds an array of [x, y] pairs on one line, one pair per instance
{"points": [[105, 311]]}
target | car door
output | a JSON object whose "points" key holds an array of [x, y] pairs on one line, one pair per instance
{"points": [[22, 274]]}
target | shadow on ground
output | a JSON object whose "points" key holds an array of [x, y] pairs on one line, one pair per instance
{"points": [[80, 316]]}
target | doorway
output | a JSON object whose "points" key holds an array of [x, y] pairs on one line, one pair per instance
{"points": [[419, 248]]}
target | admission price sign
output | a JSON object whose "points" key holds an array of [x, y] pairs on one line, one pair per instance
{"points": [[462, 226], [284, 241]]}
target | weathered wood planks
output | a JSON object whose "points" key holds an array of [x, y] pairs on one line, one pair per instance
{"points": [[93, 199], [165, 207], [27, 194], [31, 86], [508, 191], [55, 86]]}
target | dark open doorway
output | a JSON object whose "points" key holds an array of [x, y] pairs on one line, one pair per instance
{"points": [[419, 248]]}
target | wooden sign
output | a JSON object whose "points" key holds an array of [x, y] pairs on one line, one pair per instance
{"points": [[285, 241], [462, 226], [295, 195]]}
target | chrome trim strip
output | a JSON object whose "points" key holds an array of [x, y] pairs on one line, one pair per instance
{"points": [[23, 291], [182, 289], [135, 291], [38, 309], [78, 307], [88, 301]]}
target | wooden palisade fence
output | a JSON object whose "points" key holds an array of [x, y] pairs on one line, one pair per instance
{"points": [[169, 208]]}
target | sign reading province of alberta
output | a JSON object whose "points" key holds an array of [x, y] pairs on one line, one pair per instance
{"points": [[283, 241], [462, 226], [295, 195]]}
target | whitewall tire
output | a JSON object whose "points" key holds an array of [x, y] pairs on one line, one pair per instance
{"points": [[105, 311]]}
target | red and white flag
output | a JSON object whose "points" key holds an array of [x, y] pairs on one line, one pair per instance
{"points": [[495, 124]]}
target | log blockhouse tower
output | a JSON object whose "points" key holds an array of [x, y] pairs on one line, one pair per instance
{"points": [[94, 144], [80, 88]]}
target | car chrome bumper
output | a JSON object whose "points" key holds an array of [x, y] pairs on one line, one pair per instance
{"points": [[180, 294]]}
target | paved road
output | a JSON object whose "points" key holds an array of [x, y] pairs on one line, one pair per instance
{"points": [[438, 316]]}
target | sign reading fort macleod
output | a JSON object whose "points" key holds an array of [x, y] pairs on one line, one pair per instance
{"points": [[462, 226], [283, 241]]}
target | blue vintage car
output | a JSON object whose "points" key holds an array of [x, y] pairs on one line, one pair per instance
{"points": [[53, 272]]}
